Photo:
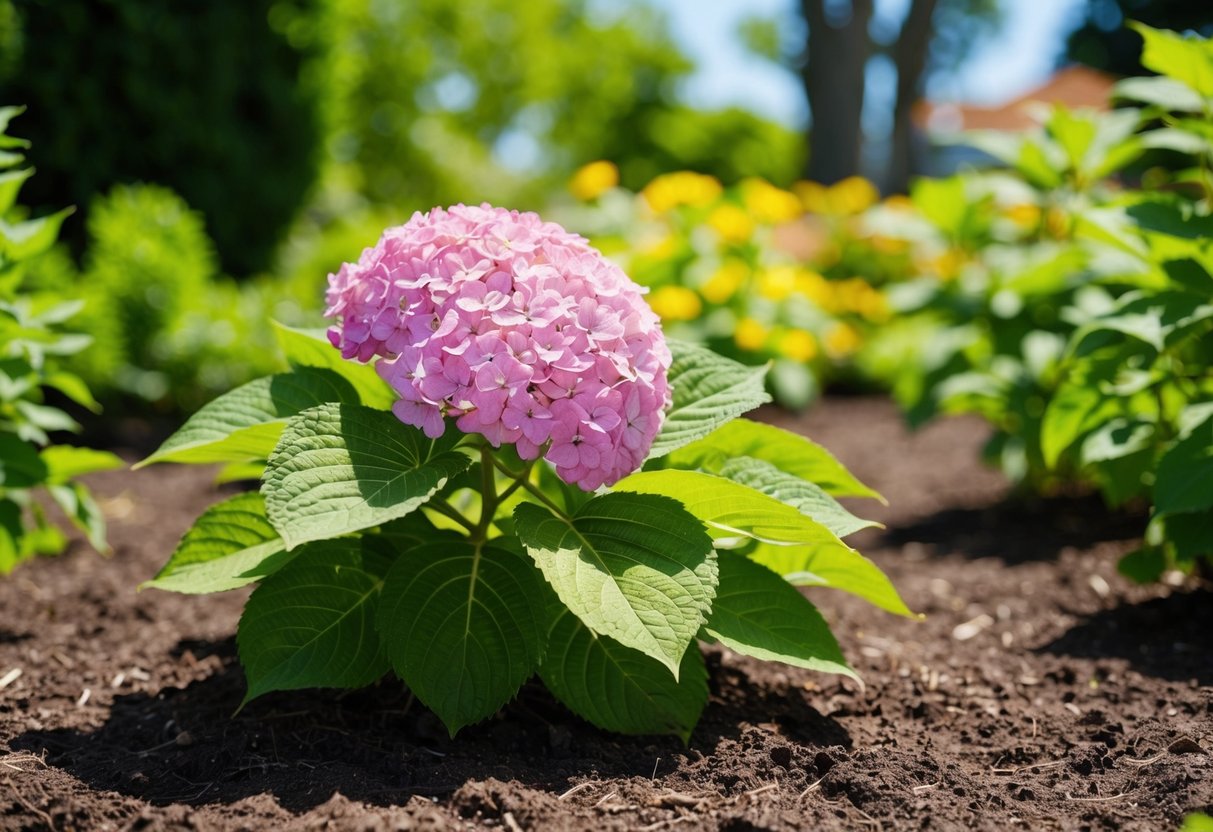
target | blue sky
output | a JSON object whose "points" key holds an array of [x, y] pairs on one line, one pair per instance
{"points": [[1019, 56]]}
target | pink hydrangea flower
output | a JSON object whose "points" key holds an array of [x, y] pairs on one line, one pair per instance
{"points": [[516, 329]]}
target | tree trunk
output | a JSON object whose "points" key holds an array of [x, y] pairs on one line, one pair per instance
{"points": [[833, 78], [910, 57]]}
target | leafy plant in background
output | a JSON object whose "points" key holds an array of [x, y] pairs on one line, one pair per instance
{"points": [[1084, 337], [479, 518], [744, 269], [33, 347]]}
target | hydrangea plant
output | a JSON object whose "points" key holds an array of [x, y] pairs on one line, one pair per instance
{"points": [[495, 466]]}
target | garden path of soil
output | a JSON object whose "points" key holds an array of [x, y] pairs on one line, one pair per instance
{"points": [[1041, 692]]}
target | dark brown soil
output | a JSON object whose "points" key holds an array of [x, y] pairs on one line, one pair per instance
{"points": [[1041, 692]]}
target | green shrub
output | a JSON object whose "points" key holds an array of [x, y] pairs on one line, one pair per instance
{"points": [[35, 346], [204, 98]]}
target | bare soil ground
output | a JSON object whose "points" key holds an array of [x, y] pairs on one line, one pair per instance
{"points": [[1041, 692]]}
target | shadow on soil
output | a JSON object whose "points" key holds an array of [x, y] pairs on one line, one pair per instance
{"points": [[186, 745], [1019, 530], [1163, 637]]}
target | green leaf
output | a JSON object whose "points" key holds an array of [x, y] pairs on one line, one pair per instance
{"points": [[1167, 93], [78, 504], [1144, 566], [340, 468], [20, 464], [639, 569], [238, 471], [708, 391], [785, 450], [231, 545], [462, 627], [312, 624], [759, 614], [310, 348], [1197, 822], [22, 240], [806, 497], [1116, 439], [1185, 472], [65, 462], [1191, 534], [12, 532], [10, 185], [619, 689], [74, 388], [245, 423], [801, 549], [1187, 60], [1073, 412]]}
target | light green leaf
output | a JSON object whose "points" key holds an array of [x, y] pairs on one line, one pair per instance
{"points": [[310, 348], [619, 689], [801, 549], [639, 569], [759, 614], [340, 468], [82, 510], [1117, 438], [806, 497], [245, 423], [238, 471], [708, 391], [462, 627], [785, 450], [1187, 60], [312, 624], [12, 532], [22, 240], [231, 545], [65, 462], [1075, 410], [1185, 473], [74, 388], [10, 185], [1167, 93]]}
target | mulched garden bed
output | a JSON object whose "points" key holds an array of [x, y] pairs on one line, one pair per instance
{"points": [[1041, 692]]}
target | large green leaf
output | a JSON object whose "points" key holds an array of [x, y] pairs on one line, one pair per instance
{"points": [[1184, 478], [793, 545], [620, 689], [65, 462], [806, 497], [82, 510], [637, 568], [245, 423], [1187, 60], [232, 544], [310, 348], [1167, 93], [21, 466], [341, 468], [787, 451], [758, 613], [312, 623], [708, 390], [463, 627], [1074, 411]]}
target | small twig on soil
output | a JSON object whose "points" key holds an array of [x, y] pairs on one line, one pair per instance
{"points": [[10, 677], [1143, 763], [1107, 799], [1017, 769], [653, 776], [924, 787], [580, 787], [762, 789], [812, 788], [604, 799], [12, 760], [83, 700], [653, 827], [508, 820]]}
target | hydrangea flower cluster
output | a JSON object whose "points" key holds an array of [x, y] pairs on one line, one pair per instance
{"points": [[517, 329]]}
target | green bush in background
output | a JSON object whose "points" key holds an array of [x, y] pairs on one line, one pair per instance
{"points": [[204, 98]]}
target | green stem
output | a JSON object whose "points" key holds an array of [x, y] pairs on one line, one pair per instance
{"points": [[447, 510], [543, 498]]}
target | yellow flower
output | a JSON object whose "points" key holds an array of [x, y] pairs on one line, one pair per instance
{"points": [[777, 282], [670, 190], [593, 180], [725, 281], [947, 266], [813, 196], [675, 303], [769, 204], [1025, 214], [798, 345], [815, 287], [750, 334], [1058, 223], [853, 195], [731, 223], [842, 340]]}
